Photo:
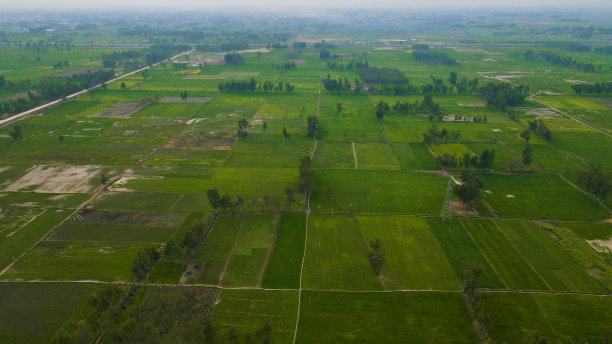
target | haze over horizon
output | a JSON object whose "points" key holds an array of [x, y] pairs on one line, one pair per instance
{"points": [[280, 4]]}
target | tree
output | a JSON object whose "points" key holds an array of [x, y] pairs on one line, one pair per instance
{"points": [[380, 109], [526, 154], [452, 78], [525, 136], [329, 194], [376, 256], [213, 198], [312, 122], [183, 95], [285, 133], [265, 126], [243, 128], [290, 193], [596, 182], [144, 260], [512, 163], [123, 86], [339, 108], [17, 133], [539, 340], [469, 188], [306, 176], [486, 159]]}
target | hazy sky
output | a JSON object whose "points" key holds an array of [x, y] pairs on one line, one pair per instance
{"points": [[265, 4]]}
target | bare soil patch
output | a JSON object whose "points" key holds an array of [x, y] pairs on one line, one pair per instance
{"points": [[219, 76], [458, 208], [5, 71], [604, 246], [123, 109], [189, 100], [131, 218], [76, 71], [543, 113], [57, 179], [299, 61]]}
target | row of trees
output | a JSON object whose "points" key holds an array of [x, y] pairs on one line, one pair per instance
{"points": [[426, 106], [557, 59], [503, 95], [253, 85], [539, 128], [233, 59], [434, 135], [595, 88], [430, 57], [484, 161]]}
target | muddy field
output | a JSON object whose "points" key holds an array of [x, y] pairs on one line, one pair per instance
{"points": [[56, 179], [123, 109], [189, 100]]}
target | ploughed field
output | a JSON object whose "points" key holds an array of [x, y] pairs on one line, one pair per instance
{"points": [[94, 181]]}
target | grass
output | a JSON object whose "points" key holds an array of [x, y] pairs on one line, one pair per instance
{"points": [[375, 156], [513, 269], [378, 191], [462, 252], [414, 258], [71, 231], [399, 317], [166, 272], [334, 155], [31, 312], [538, 196], [548, 258], [336, 256], [414, 156], [249, 257], [571, 102], [217, 248], [516, 318], [65, 261], [248, 310], [24, 235], [283, 270]]}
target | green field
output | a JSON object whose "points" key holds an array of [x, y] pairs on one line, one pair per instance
{"points": [[224, 196]]}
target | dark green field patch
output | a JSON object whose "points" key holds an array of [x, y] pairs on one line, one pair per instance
{"points": [[283, 270]]}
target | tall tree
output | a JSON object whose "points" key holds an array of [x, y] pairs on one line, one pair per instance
{"points": [[376, 256], [526, 154], [596, 182], [312, 121], [339, 108], [243, 125], [469, 189], [214, 198], [306, 176]]}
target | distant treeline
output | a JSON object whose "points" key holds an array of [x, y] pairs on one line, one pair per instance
{"points": [[235, 44], [233, 59], [384, 75], [430, 57], [436, 87], [596, 88], [557, 59], [253, 86], [503, 95], [150, 55], [49, 89]]}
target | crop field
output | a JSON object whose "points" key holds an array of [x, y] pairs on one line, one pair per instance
{"points": [[306, 181]]}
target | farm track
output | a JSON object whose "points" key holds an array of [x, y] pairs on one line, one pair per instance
{"points": [[97, 193], [574, 118], [28, 113], [212, 286]]}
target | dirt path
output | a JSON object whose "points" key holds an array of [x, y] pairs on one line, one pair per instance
{"points": [[229, 257], [354, 154], [574, 118], [265, 266]]}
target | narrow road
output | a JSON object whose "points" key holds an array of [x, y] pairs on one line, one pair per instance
{"points": [[35, 110]]}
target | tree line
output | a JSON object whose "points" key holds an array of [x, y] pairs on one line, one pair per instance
{"points": [[595, 88], [503, 95], [254, 85], [557, 59]]}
